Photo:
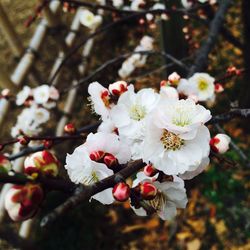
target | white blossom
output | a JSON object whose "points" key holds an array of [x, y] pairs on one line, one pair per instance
{"points": [[82, 169], [29, 121], [117, 3], [174, 132], [200, 85], [88, 19], [170, 196], [136, 4], [23, 95], [41, 94], [138, 59]]}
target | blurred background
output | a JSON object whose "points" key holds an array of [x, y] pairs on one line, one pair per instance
{"points": [[218, 212]]}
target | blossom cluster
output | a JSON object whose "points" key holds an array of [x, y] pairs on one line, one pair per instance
{"points": [[165, 130], [38, 100], [136, 60]]}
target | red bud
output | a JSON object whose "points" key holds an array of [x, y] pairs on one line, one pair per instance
{"points": [[121, 191], [70, 128], [147, 190]]}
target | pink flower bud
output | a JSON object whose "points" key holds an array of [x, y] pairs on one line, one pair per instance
{"points": [[147, 190], [96, 155], [42, 162], [110, 160], [174, 78], [149, 170], [70, 128], [218, 88], [164, 83], [121, 191], [5, 164], [220, 143], [117, 88], [22, 202]]}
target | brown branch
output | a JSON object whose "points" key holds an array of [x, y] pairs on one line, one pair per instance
{"points": [[85, 192], [215, 27], [48, 183], [29, 150], [118, 58], [229, 116]]}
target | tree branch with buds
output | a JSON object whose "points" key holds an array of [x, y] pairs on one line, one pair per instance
{"points": [[84, 192]]}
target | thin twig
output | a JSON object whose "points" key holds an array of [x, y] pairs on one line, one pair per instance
{"points": [[215, 27]]}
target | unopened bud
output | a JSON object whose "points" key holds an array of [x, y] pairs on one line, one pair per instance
{"points": [[148, 191], [110, 160], [70, 128], [5, 165], [121, 191], [96, 155], [149, 170], [174, 78], [118, 88], [218, 88], [47, 144], [220, 143], [42, 162], [22, 202], [164, 83]]}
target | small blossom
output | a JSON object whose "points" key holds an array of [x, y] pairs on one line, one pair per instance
{"points": [[220, 143], [121, 191], [137, 4], [22, 202], [218, 88], [42, 162], [70, 128], [200, 84], [174, 78], [117, 3], [170, 196], [41, 94], [88, 19], [23, 95]]}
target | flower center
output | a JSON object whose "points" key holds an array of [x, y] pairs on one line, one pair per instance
{"points": [[202, 85], [137, 112], [171, 141], [181, 118], [158, 202], [92, 178]]}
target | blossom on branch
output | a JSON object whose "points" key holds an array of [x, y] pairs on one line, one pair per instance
{"points": [[22, 202]]}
